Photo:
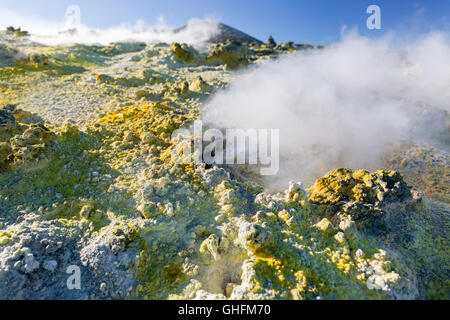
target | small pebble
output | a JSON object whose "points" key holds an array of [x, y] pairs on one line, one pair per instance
{"points": [[50, 265]]}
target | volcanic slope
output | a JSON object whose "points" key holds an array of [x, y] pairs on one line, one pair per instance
{"points": [[87, 180]]}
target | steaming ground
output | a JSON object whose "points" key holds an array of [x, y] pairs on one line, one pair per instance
{"points": [[197, 31], [347, 105]]}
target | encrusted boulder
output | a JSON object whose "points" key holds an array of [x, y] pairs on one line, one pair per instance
{"points": [[198, 85], [375, 201], [253, 237], [286, 46], [37, 60], [7, 55], [182, 53], [342, 185], [19, 114], [5, 151], [36, 133], [231, 53], [17, 32], [7, 121], [271, 42], [21, 141], [141, 93]]}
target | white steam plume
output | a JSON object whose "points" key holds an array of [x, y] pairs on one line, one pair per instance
{"points": [[345, 105], [47, 32]]}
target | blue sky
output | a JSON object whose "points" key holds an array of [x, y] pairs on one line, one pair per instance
{"points": [[302, 21]]}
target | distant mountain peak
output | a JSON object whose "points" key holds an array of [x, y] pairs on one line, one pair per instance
{"points": [[229, 33]]}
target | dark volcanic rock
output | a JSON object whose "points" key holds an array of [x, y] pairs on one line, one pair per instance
{"points": [[7, 120], [227, 33]]}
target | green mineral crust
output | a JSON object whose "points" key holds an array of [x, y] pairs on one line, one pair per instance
{"points": [[86, 179]]}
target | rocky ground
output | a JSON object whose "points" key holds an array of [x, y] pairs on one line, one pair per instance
{"points": [[86, 180]]}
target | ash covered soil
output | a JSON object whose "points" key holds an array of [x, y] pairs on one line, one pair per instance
{"points": [[86, 179]]}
